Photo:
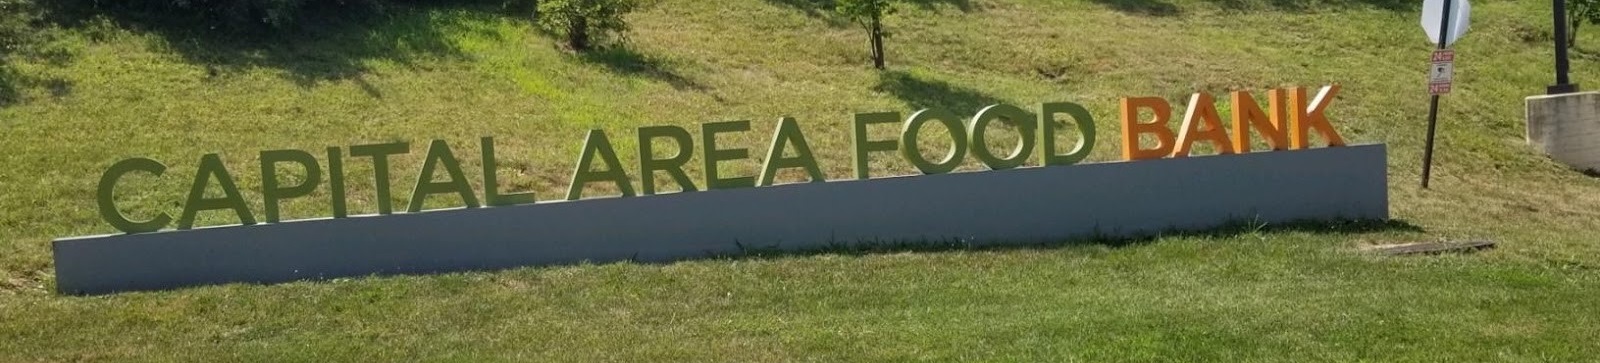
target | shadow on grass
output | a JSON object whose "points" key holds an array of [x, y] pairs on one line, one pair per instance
{"points": [[24, 38], [13, 82], [1167, 8], [920, 93], [329, 45], [1305, 5], [812, 8], [823, 9], [8, 85], [337, 43], [1226, 231], [1142, 7], [625, 60]]}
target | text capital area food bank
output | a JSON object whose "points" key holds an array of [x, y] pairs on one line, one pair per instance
{"points": [[1288, 121]]}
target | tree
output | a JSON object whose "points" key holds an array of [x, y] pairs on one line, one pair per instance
{"points": [[869, 14], [1579, 12], [582, 21]]}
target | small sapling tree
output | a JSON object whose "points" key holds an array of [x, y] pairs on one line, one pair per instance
{"points": [[869, 14], [1578, 13]]}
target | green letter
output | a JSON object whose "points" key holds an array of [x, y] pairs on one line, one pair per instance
{"points": [[649, 165], [1047, 133], [211, 164], [491, 182], [336, 182], [864, 146], [598, 144], [380, 168], [108, 204], [958, 141], [708, 134], [439, 153], [271, 192], [789, 133], [1015, 117]]}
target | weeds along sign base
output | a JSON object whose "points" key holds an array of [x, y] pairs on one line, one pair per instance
{"points": [[1159, 187]]}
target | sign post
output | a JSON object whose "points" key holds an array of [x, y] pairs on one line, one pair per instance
{"points": [[1451, 17], [1563, 83]]}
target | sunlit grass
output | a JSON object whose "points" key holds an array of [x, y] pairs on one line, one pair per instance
{"points": [[417, 74]]}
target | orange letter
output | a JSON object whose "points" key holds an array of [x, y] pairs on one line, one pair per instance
{"points": [[1247, 115], [1305, 117], [1132, 128], [1202, 123]]}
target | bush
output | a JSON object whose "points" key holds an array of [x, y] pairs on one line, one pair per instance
{"points": [[18, 26], [584, 21]]}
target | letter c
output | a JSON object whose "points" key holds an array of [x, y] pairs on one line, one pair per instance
{"points": [[108, 204]]}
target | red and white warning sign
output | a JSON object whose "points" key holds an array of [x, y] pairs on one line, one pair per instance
{"points": [[1442, 73]]}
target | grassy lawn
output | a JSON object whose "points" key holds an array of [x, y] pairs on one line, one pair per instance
{"points": [[1273, 293]]}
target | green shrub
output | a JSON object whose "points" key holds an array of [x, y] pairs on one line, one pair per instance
{"points": [[584, 21]]}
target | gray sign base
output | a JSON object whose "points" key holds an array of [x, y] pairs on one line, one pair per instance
{"points": [[1028, 205]]}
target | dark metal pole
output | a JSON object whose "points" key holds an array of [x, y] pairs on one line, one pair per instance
{"points": [[1427, 154], [1563, 84], [1433, 108]]}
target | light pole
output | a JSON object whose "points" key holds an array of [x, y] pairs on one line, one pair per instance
{"points": [[1563, 84]]}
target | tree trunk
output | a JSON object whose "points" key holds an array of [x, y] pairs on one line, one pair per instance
{"points": [[877, 41], [578, 34], [1572, 33]]}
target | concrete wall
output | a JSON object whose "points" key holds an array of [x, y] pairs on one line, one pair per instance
{"points": [[1026, 205], [1567, 127]]}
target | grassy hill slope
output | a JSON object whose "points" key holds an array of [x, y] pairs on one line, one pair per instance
{"points": [[419, 73]]}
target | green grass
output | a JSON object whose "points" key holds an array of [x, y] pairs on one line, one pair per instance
{"points": [[1289, 293]]}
